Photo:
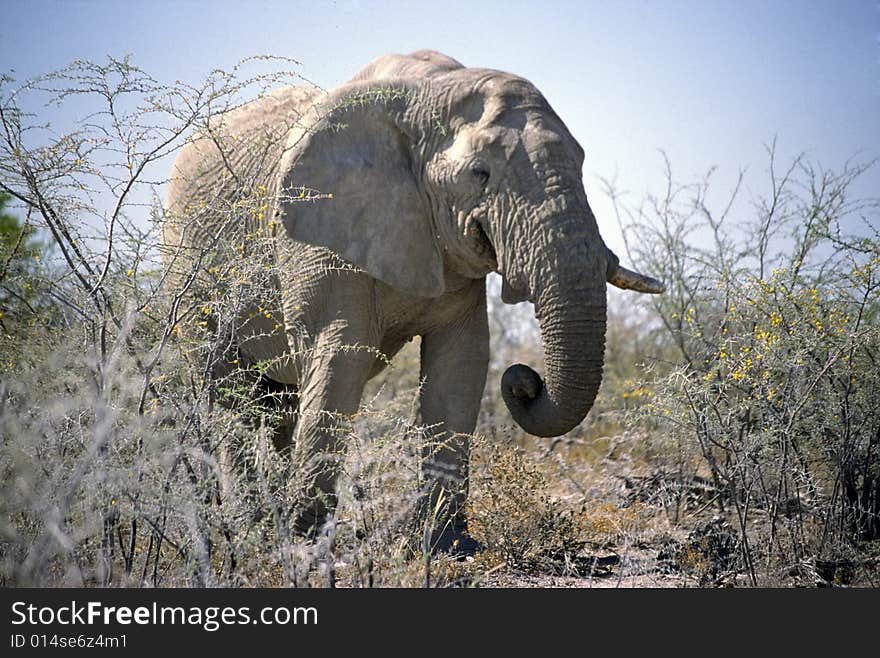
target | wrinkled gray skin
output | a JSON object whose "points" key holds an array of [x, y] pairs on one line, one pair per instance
{"points": [[439, 174]]}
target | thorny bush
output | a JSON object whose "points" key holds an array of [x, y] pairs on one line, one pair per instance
{"points": [[770, 385]]}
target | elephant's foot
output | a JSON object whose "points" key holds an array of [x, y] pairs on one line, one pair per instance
{"points": [[456, 543], [311, 520], [447, 525]]}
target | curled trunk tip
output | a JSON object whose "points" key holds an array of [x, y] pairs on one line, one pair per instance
{"points": [[573, 333]]}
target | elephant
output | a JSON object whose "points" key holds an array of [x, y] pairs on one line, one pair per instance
{"points": [[389, 200]]}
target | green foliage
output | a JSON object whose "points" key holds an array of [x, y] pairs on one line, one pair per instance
{"points": [[20, 256]]}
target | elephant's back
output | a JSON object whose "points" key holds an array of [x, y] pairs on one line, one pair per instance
{"points": [[418, 65]]}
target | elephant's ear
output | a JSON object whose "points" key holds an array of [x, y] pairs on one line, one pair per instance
{"points": [[348, 183]]}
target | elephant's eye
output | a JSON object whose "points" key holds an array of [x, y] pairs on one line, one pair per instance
{"points": [[480, 172]]}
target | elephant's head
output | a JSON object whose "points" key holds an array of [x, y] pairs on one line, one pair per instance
{"points": [[438, 171]]}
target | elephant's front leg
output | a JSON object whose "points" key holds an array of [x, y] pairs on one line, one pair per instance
{"points": [[455, 360], [337, 367]]}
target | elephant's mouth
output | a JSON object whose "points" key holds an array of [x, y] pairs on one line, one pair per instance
{"points": [[482, 245]]}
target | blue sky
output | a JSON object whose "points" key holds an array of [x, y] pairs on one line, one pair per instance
{"points": [[709, 82]]}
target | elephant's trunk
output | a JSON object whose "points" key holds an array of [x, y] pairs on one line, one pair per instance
{"points": [[570, 307]]}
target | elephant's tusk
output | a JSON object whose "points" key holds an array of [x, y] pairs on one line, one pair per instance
{"points": [[629, 280]]}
